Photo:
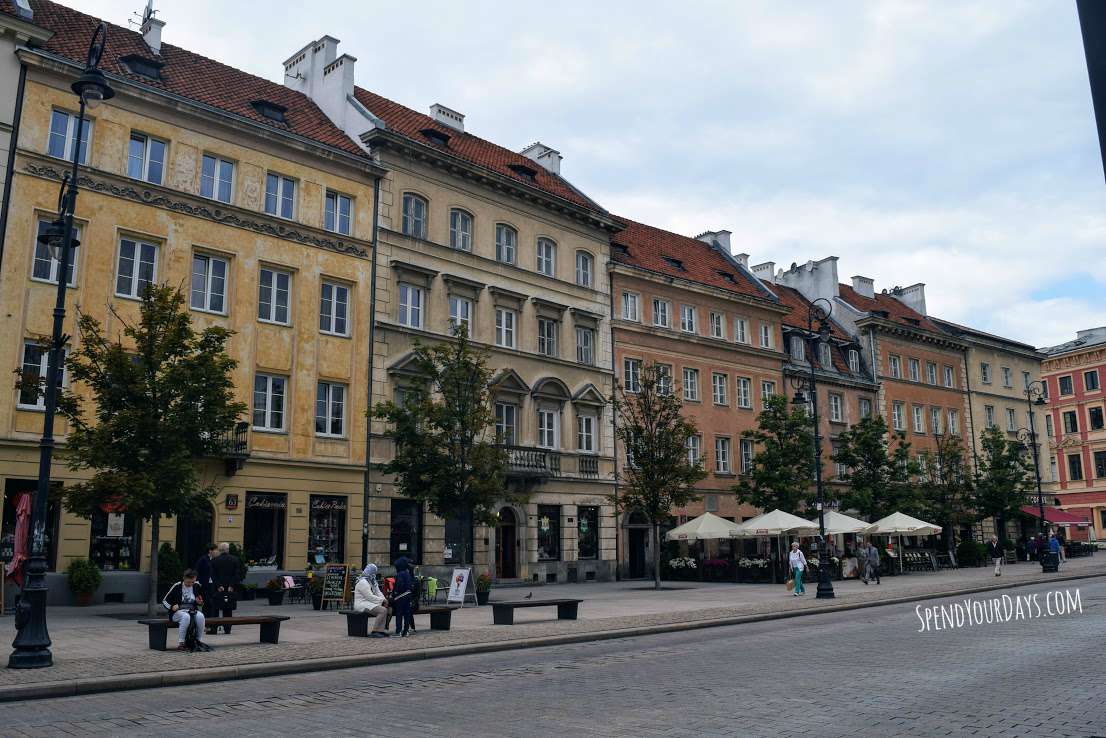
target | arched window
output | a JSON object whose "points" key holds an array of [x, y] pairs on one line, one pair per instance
{"points": [[584, 268], [460, 230], [414, 215], [506, 242], [547, 257]]}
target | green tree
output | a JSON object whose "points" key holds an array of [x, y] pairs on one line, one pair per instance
{"points": [[879, 470], [658, 475], [946, 486], [144, 410], [782, 472], [1002, 484], [446, 455]]}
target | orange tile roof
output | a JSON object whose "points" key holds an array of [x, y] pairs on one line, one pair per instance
{"points": [[896, 310], [800, 308]]}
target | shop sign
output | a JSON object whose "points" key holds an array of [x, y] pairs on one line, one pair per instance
{"points": [[115, 525], [266, 502], [328, 504]]}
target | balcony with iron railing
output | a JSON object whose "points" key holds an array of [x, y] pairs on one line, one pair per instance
{"points": [[234, 447]]}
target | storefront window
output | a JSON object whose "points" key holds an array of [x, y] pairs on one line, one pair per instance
{"points": [[406, 530], [549, 532], [263, 539], [326, 532], [114, 542], [458, 541], [587, 527], [13, 490]]}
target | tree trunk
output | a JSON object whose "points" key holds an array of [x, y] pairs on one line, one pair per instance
{"points": [[155, 537], [656, 556]]}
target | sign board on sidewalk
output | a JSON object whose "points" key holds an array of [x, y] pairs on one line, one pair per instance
{"points": [[458, 587], [336, 583]]}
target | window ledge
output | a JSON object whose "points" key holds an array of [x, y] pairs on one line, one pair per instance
{"points": [[274, 322], [271, 431], [334, 335]]}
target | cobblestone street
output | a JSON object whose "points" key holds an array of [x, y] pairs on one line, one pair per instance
{"points": [[860, 673]]}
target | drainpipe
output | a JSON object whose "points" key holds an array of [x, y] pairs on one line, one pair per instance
{"points": [[366, 492], [971, 414], [9, 170], [614, 431]]}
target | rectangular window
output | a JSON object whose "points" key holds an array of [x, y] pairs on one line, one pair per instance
{"points": [[36, 358], [413, 220], [63, 132], [1100, 465], [504, 328], [836, 408], [209, 283], [989, 415], [948, 376], [719, 385], [585, 346], [660, 313], [985, 372], [722, 455], [717, 325], [216, 178], [1048, 425], [631, 307], [410, 305], [687, 318], [919, 419], [547, 337], [691, 384], [825, 356], [740, 330], [1075, 468], [145, 158], [330, 402], [864, 407], [334, 309], [326, 529], [1090, 380], [113, 540], [931, 372], [506, 423], [767, 389], [506, 242], [694, 449], [547, 428], [460, 314], [1026, 380], [265, 520], [746, 447], [954, 422], [547, 257], [1052, 470], [136, 269], [631, 375], [587, 532], [765, 335], [1007, 377], [585, 433], [460, 230], [549, 532], [935, 419], [268, 402], [897, 420], [46, 265], [798, 348], [1011, 420], [894, 366], [584, 269], [744, 388], [339, 213], [1066, 386], [664, 379], [854, 360], [1071, 422], [272, 295], [1094, 417], [280, 196], [915, 373]]}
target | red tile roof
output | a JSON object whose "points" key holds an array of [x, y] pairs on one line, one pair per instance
{"points": [[800, 308], [186, 74], [647, 247], [897, 311], [409, 123]]}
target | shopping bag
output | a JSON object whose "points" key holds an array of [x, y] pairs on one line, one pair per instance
{"points": [[791, 584]]}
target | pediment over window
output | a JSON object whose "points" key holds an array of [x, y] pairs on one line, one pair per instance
{"points": [[551, 388], [407, 366], [509, 382], [548, 308], [413, 273], [507, 298], [589, 396], [464, 287], [586, 318]]}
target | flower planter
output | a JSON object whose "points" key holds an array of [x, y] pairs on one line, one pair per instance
{"points": [[276, 596], [482, 597]]}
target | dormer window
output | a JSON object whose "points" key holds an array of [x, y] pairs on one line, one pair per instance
{"points": [[913, 321], [727, 276], [435, 136], [143, 67], [270, 110], [523, 171], [621, 250], [674, 263]]}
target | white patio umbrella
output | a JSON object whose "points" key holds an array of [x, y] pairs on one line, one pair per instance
{"points": [[706, 527], [899, 523], [776, 523], [839, 523]]}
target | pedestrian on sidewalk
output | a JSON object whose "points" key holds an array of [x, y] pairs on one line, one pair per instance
{"points": [[871, 563], [224, 570], [401, 597], [1031, 549], [797, 562], [367, 597], [1055, 547], [206, 582], [182, 601], [862, 560], [995, 551]]}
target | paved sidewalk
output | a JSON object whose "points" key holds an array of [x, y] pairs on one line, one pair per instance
{"points": [[95, 642]]}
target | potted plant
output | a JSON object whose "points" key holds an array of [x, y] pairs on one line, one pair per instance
{"points": [[275, 590], [84, 579], [248, 591], [315, 587], [483, 588]]}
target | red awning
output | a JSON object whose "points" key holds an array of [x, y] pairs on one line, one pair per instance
{"points": [[1054, 515]]}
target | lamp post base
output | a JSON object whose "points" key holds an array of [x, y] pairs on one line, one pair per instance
{"points": [[32, 639], [825, 588]]}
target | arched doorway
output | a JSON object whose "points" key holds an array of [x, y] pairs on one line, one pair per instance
{"points": [[506, 545], [194, 533]]}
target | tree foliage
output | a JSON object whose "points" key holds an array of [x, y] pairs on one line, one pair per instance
{"points": [[782, 473], [946, 485], [879, 470], [1003, 482], [654, 434]]}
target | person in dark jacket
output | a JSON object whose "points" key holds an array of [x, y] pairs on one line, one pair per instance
{"points": [[206, 582], [183, 601], [994, 550], [224, 573], [402, 593]]}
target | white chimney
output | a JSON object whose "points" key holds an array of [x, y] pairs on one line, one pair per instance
{"points": [[914, 297], [765, 272], [448, 117], [549, 158], [318, 71], [722, 238], [814, 279], [151, 28], [864, 286]]}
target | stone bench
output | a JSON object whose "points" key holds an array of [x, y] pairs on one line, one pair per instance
{"points": [[270, 627], [503, 613], [357, 623]]}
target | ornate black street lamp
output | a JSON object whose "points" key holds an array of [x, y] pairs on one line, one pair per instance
{"points": [[1035, 396], [819, 312], [32, 640]]}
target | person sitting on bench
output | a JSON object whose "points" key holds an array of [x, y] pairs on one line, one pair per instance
{"points": [[183, 601], [368, 598]]}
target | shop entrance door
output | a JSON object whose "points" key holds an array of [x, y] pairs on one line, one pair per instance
{"points": [[636, 545], [193, 536], [506, 545]]}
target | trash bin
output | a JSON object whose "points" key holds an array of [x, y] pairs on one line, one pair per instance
{"points": [[1050, 562]]}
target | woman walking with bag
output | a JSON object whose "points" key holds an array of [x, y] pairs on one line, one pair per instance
{"points": [[797, 563]]}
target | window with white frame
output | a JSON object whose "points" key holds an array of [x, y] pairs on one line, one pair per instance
{"points": [[691, 384], [798, 348], [338, 213], [894, 366], [745, 446], [1007, 376], [631, 375], [854, 360], [836, 408], [506, 243], [1090, 380], [330, 404], [825, 356], [919, 419], [460, 313], [687, 318], [1026, 380], [935, 419], [137, 267], [948, 376], [1011, 420], [209, 283], [411, 300], [145, 158], [767, 389], [1066, 385], [989, 415], [460, 230], [664, 379], [661, 317], [547, 337], [46, 264], [548, 420], [765, 335], [631, 306], [915, 371], [280, 196], [547, 257], [505, 327], [414, 215], [36, 366], [1048, 424], [694, 449], [954, 422], [719, 388], [931, 372], [717, 325], [722, 455], [334, 309], [506, 423], [898, 422], [268, 402], [740, 330], [63, 132], [744, 389], [585, 434], [864, 407], [216, 178], [585, 269], [585, 345], [985, 372], [273, 289]]}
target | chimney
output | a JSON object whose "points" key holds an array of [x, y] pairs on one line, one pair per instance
{"points": [[1090, 333], [765, 272], [722, 238], [318, 71], [151, 28], [742, 259], [914, 297], [447, 117], [864, 286], [549, 158], [814, 279]]}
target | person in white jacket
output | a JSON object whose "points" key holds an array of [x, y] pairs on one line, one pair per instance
{"points": [[367, 597], [797, 561]]}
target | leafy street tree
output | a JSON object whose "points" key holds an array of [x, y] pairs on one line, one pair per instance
{"points": [[946, 485], [658, 475], [446, 455], [782, 472], [1002, 484], [143, 411], [880, 470]]}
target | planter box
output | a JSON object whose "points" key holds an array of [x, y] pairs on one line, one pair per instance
{"points": [[276, 596], [482, 597]]}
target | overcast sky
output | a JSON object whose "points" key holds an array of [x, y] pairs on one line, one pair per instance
{"points": [[950, 143]]}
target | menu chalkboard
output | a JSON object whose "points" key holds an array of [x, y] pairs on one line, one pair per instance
{"points": [[336, 582]]}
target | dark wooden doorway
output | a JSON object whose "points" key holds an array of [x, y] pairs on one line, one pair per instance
{"points": [[636, 543], [194, 533], [506, 545]]}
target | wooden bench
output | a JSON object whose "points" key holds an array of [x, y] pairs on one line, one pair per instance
{"points": [[357, 623], [270, 627], [503, 613]]}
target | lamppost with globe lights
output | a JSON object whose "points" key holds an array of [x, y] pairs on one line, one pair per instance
{"points": [[1035, 397]]}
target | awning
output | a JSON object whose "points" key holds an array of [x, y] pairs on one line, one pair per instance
{"points": [[1055, 515], [706, 527]]}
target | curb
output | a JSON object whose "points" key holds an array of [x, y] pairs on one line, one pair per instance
{"points": [[92, 685]]}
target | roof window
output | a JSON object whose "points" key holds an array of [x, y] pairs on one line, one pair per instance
{"points": [[270, 110], [524, 171], [674, 263], [435, 136], [727, 276], [143, 67]]}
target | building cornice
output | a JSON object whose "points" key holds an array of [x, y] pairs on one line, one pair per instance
{"points": [[632, 270], [834, 378], [918, 334], [681, 338]]}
